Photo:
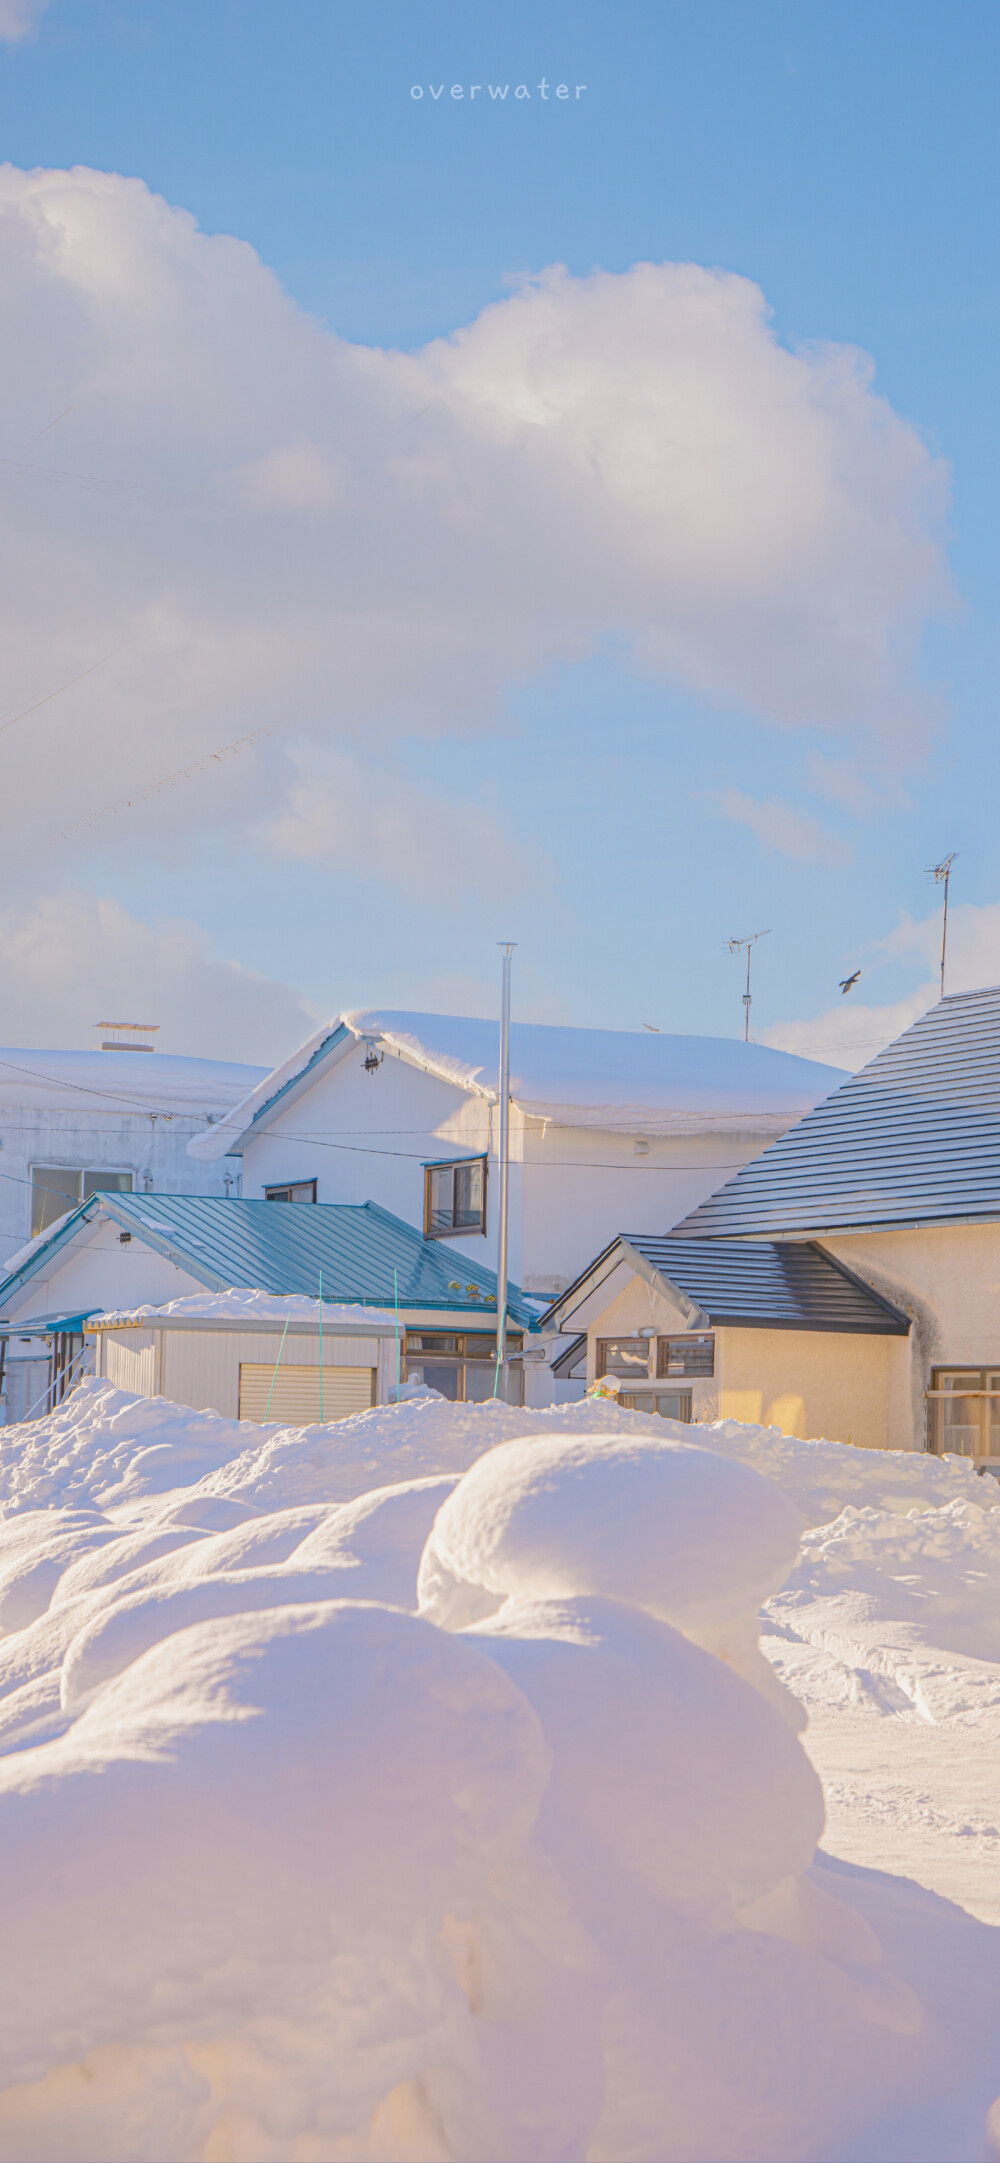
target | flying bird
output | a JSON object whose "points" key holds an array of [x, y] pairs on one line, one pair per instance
{"points": [[849, 982]]}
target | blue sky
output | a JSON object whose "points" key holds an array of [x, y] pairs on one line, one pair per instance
{"points": [[841, 158]]}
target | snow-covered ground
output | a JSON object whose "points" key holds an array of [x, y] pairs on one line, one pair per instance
{"points": [[416, 1788]]}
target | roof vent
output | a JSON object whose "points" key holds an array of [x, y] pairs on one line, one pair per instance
{"points": [[127, 1035]]}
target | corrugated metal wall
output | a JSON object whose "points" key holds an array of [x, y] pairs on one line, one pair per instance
{"points": [[130, 1361], [295, 1394], [202, 1367]]}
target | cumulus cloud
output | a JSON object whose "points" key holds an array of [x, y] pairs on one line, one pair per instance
{"points": [[781, 826], [246, 521], [850, 1033], [74, 959], [18, 19]]}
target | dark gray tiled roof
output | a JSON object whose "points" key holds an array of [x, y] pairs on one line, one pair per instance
{"points": [[792, 1285], [914, 1138]]}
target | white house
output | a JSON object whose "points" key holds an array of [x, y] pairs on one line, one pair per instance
{"points": [[75, 1123], [610, 1131]]}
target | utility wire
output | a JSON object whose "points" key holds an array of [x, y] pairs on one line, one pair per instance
{"points": [[50, 695]]}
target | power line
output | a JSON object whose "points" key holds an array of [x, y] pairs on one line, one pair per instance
{"points": [[50, 695]]}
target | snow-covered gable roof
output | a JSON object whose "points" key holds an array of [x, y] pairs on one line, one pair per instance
{"points": [[120, 1082], [611, 1079]]}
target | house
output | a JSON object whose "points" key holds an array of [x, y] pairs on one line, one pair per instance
{"points": [[607, 1127], [118, 1252], [115, 1118], [896, 1177], [701, 1329], [252, 1358]]}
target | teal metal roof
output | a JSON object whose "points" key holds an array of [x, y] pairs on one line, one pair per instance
{"points": [[49, 1325], [280, 1247]]}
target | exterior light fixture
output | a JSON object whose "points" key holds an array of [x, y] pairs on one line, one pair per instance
{"points": [[373, 1059]]}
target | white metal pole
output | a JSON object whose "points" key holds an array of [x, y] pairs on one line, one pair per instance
{"points": [[504, 1168]]}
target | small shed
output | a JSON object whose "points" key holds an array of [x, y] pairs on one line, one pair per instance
{"points": [[252, 1356]]}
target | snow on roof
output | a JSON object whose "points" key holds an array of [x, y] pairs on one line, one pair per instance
{"points": [[120, 1082], [614, 1080], [247, 1307]]}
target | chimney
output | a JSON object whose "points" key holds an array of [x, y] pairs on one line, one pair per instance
{"points": [[127, 1035]]}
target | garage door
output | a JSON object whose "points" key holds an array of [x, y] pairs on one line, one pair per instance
{"points": [[295, 1397]]}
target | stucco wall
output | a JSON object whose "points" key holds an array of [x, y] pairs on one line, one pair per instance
{"points": [[807, 1382], [155, 1151], [947, 1277]]}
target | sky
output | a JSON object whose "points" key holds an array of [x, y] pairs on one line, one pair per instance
{"points": [[438, 519]]}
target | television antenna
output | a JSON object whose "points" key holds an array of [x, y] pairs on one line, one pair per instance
{"points": [[941, 873], [736, 947]]}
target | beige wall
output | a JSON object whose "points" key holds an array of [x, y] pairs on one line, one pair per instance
{"points": [[807, 1382], [947, 1278]]}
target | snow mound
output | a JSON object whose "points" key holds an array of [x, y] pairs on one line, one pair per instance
{"points": [[105, 1449], [674, 1529], [822, 1477], [293, 1870], [898, 1615]]}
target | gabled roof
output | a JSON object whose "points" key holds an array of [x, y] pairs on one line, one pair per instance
{"points": [[914, 1138], [611, 1079], [363, 1251], [739, 1286]]}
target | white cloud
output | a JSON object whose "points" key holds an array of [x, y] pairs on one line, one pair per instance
{"points": [[851, 1032], [861, 794], [779, 825], [262, 524], [371, 821], [18, 19], [72, 959]]}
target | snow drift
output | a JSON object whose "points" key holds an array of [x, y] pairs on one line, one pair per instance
{"points": [[460, 1817]]}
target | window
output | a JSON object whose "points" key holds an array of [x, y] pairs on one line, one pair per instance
{"points": [[963, 1406], [685, 1356], [455, 1198], [669, 1403], [627, 1356], [301, 1190], [58, 1187], [462, 1365]]}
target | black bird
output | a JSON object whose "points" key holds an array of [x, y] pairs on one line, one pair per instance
{"points": [[849, 982]]}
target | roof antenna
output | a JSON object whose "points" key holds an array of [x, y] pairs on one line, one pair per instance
{"points": [[942, 873], [735, 947]]}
